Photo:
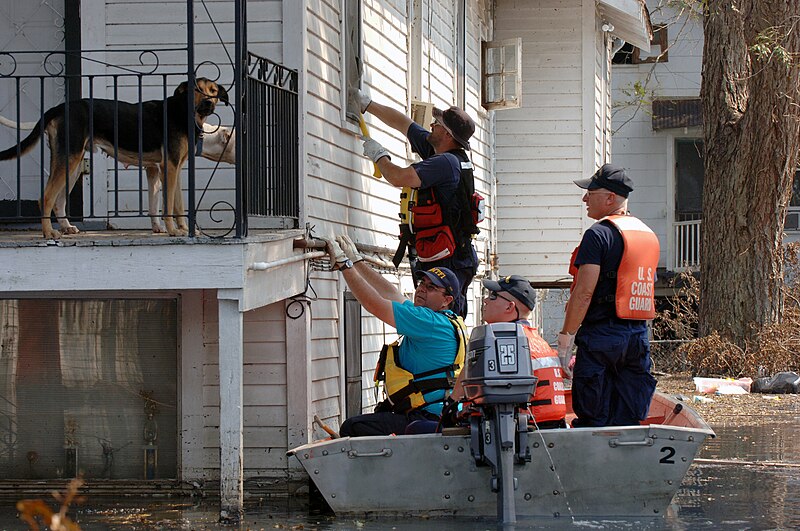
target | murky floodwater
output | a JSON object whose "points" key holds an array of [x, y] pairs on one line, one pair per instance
{"points": [[715, 494]]}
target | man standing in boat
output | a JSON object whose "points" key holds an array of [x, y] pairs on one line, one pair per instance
{"points": [[442, 208], [418, 369], [611, 299]]}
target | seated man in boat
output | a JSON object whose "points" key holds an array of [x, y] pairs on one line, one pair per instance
{"points": [[511, 300], [420, 367]]}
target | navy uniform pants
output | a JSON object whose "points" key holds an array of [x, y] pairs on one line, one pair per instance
{"points": [[611, 383], [383, 423]]}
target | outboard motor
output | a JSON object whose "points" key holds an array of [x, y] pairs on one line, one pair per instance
{"points": [[499, 380]]}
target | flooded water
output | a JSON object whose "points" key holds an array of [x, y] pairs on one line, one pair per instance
{"points": [[762, 493]]}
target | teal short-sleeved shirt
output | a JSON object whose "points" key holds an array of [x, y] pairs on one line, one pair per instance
{"points": [[429, 342]]}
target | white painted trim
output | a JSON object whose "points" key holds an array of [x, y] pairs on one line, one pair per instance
{"points": [[295, 56], [414, 20], [588, 52], [93, 37], [670, 213], [341, 285]]}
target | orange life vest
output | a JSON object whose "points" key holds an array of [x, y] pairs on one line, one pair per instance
{"points": [[548, 402], [636, 275]]}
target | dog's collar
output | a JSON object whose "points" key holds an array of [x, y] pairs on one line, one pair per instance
{"points": [[198, 141]]}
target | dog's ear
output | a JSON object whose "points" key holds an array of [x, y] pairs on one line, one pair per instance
{"points": [[222, 94], [181, 89]]}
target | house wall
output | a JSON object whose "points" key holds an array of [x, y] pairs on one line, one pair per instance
{"points": [[265, 402], [341, 194], [556, 135], [648, 155]]}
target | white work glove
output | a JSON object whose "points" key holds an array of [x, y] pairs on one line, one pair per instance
{"points": [[363, 100], [565, 344], [336, 254], [374, 150], [349, 248]]}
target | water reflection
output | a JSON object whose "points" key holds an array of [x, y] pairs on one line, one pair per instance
{"points": [[715, 494]]}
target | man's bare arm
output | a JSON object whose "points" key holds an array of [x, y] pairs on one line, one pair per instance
{"points": [[581, 297]]}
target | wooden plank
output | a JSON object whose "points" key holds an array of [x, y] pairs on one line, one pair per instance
{"points": [[270, 415]]}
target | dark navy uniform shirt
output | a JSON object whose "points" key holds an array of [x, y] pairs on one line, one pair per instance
{"points": [[601, 245]]}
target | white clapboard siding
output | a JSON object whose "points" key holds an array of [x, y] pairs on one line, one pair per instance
{"points": [[540, 148], [264, 389], [326, 355], [648, 155]]}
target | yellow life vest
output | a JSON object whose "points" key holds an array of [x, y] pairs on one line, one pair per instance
{"points": [[405, 390]]}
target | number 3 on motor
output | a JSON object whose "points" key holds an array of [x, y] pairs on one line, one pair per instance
{"points": [[668, 452]]}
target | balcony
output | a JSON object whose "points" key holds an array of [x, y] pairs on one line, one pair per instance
{"points": [[111, 112], [686, 236]]}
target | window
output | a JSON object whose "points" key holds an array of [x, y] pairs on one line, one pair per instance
{"points": [[502, 74], [688, 179], [631, 55], [351, 49], [89, 387]]}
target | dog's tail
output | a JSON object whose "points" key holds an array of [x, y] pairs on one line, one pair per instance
{"points": [[24, 126], [29, 141]]}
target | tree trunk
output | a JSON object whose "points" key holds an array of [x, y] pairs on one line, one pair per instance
{"points": [[751, 128]]}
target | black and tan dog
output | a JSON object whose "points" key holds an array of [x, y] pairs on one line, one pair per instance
{"points": [[66, 155]]}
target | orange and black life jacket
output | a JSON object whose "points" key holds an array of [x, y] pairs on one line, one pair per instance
{"points": [[634, 297], [548, 402], [438, 229]]}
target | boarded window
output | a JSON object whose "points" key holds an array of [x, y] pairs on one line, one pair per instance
{"points": [[502, 74], [85, 385], [351, 48]]}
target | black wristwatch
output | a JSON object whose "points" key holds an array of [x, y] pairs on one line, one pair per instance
{"points": [[347, 264]]}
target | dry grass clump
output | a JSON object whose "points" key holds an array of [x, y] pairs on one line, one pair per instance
{"points": [[775, 348], [38, 514]]}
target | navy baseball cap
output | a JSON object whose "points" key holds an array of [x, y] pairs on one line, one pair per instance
{"points": [[444, 278], [517, 286], [608, 177], [457, 122]]}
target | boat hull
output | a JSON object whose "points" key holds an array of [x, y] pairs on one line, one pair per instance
{"points": [[614, 471]]}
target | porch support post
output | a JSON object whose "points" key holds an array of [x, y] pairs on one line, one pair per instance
{"points": [[231, 446], [298, 386]]}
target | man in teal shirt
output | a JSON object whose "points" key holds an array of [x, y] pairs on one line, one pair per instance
{"points": [[429, 352]]}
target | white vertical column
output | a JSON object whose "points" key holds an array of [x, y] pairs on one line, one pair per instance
{"points": [[231, 446], [298, 380]]}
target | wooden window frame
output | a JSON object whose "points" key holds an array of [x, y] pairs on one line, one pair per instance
{"points": [[515, 70]]}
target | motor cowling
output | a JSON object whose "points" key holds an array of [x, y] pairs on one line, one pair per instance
{"points": [[498, 365]]}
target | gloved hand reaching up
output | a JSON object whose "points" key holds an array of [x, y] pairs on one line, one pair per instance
{"points": [[363, 100], [565, 344], [374, 150]]}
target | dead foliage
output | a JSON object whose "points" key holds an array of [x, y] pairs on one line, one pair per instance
{"points": [[776, 347], [33, 512]]}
